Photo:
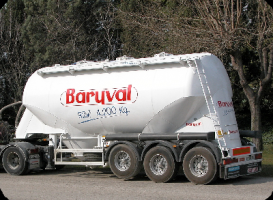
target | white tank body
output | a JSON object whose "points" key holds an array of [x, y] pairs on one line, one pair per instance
{"points": [[160, 94]]}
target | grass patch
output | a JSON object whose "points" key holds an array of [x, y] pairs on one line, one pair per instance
{"points": [[267, 163]]}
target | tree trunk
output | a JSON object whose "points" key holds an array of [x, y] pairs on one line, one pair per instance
{"points": [[256, 124], [253, 98]]}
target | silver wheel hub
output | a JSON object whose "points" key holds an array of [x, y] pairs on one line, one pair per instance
{"points": [[13, 160], [122, 161], [158, 164], [199, 166]]}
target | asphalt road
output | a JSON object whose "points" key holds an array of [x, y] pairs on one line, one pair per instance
{"points": [[82, 183]]}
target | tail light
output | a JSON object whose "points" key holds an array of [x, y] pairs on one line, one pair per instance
{"points": [[258, 156], [33, 151], [230, 160]]}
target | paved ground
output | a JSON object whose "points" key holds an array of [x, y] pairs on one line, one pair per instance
{"points": [[81, 183]]}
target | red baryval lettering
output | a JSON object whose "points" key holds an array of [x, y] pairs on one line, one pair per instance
{"points": [[70, 96], [89, 95], [101, 100], [95, 97], [234, 131], [129, 92], [109, 97], [225, 104], [80, 97], [194, 124], [121, 95]]}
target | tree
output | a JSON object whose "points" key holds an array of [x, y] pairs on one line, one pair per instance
{"points": [[237, 31], [240, 26], [35, 34], [13, 67], [148, 27], [108, 27], [70, 31]]}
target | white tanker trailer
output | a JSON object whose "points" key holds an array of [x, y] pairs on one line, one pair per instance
{"points": [[159, 113]]}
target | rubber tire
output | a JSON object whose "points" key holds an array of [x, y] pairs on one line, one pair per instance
{"points": [[22, 168], [172, 166], [210, 176], [133, 169]]}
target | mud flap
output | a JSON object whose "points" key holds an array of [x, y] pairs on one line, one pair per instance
{"points": [[242, 170]]}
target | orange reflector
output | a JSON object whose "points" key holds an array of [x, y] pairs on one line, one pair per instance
{"points": [[174, 146], [241, 151]]}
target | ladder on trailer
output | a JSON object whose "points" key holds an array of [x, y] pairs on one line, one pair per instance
{"points": [[99, 149], [195, 63]]}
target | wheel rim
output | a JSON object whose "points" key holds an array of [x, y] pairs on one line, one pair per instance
{"points": [[158, 164], [199, 166], [122, 161], [13, 160]]}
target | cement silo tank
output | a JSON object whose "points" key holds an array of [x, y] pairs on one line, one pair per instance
{"points": [[160, 94]]}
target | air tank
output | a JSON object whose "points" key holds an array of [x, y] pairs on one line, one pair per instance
{"points": [[160, 94]]}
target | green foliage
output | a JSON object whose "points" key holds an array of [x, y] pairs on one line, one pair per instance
{"points": [[241, 104], [13, 66], [267, 163], [150, 27], [64, 32], [5, 132], [268, 135]]}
